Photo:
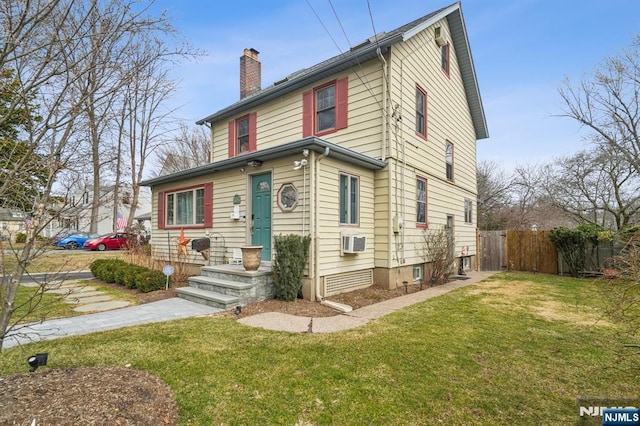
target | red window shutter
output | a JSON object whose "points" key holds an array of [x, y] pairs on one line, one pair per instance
{"points": [[342, 98], [232, 138], [253, 130], [307, 114], [208, 204], [161, 224]]}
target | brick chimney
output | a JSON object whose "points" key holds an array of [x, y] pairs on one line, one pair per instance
{"points": [[250, 75]]}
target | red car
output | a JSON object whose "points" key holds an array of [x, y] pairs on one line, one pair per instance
{"points": [[112, 241]]}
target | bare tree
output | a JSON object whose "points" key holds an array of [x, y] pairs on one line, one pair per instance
{"points": [[597, 186], [56, 52], [526, 194], [494, 186], [190, 148], [148, 117], [608, 103]]}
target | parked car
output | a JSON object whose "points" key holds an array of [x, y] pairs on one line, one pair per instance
{"points": [[75, 240], [58, 237], [111, 241]]}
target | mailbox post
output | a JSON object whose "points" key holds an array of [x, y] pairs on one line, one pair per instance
{"points": [[202, 246]]}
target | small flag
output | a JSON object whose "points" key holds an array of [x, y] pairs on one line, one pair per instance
{"points": [[28, 222], [121, 222]]}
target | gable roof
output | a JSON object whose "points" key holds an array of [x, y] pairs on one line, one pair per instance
{"points": [[370, 49]]}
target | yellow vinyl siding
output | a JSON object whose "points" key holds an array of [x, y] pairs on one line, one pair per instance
{"points": [[290, 222], [418, 62], [280, 121], [333, 261]]}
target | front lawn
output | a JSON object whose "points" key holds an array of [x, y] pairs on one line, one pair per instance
{"points": [[33, 306], [516, 349]]}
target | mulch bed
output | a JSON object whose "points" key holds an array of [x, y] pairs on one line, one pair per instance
{"points": [[86, 396]]}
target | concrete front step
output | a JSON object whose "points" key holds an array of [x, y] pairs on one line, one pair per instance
{"points": [[209, 298], [228, 286], [237, 273], [219, 285]]}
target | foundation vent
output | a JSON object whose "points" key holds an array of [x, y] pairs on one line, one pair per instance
{"points": [[348, 281]]}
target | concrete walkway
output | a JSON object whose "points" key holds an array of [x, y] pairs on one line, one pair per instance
{"points": [[176, 308], [86, 298], [357, 317], [160, 311]]}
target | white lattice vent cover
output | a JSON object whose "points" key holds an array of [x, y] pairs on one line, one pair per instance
{"points": [[341, 283]]}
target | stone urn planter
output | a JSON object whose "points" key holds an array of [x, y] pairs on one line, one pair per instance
{"points": [[251, 256]]}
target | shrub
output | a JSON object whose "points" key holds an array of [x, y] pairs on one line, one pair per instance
{"points": [[106, 269], [438, 250], [292, 252], [571, 245], [119, 273], [96, 265], [131, 274], [150, 280], [21, 237], [128, 275]]}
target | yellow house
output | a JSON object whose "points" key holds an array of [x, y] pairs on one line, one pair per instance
{"points": [[362, 152]]}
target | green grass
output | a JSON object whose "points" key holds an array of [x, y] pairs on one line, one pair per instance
{"points": [[56, 260], [516, 349], [32, 306]]}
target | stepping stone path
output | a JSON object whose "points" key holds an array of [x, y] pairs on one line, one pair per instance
{"points": [[85, 297]]}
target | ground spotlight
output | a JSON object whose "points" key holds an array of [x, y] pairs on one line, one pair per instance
{"points": [[37, 360], [238, 310]]}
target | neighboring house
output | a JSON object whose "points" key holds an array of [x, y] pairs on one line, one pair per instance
{"points": [[364, 152], [76, 215], [12, 222]]}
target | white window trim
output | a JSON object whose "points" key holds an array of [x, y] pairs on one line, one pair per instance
{"points": [[350, 214], [173, 207]]}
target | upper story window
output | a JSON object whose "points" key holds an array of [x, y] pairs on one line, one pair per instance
{"points": [[468, 211], [324, 109], [349, 199], [449, 160], [444, 52], [186, 207], [421, 112], [242, 135], [421, 202]]}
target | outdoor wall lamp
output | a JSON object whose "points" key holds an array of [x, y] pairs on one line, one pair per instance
{"points": [[36, 361], [297, 165]]}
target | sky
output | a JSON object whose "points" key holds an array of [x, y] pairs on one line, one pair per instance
{"points": [[523, 50]]}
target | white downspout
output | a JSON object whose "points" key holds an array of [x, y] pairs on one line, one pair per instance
{"points": [[316, 233], [304, 198], [316, 241], [385, 115]]}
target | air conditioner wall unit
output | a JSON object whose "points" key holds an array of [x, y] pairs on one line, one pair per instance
{"points": [[439, 37], [354, 243]]}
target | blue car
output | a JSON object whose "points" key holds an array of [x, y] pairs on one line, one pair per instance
{"points": [[75, 240]]}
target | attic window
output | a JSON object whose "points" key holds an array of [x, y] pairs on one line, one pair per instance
{"points": [[444, 51]]}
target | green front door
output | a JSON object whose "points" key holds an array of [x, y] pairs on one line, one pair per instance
{"points": [[261, 213]]}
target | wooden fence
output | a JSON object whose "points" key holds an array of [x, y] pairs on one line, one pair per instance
{"points": [[517, 251]]}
